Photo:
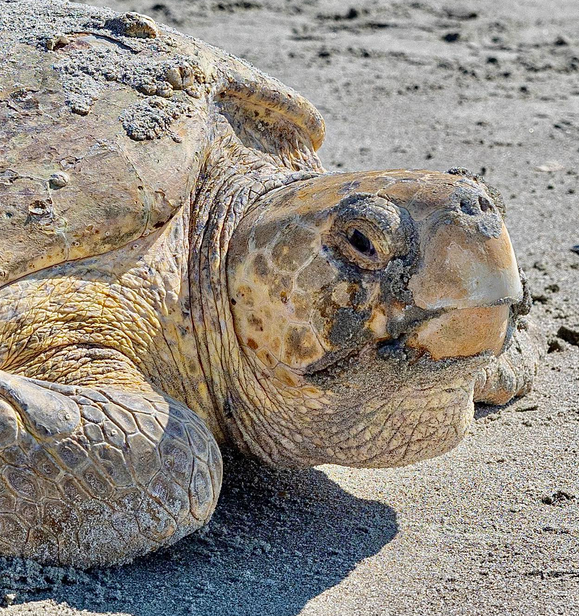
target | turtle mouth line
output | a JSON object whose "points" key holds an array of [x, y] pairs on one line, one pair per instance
{"points": [[405, 348], [334, 363]]}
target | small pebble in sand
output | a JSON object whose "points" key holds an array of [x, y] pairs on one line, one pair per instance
{"points": [[134, 25], [59, 179], [9, 599], [550, 166]]}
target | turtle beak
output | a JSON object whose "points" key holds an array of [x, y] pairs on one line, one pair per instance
{"points": [[466, 282]]}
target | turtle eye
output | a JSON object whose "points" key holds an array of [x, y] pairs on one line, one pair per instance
{"points": [[361, 243]]}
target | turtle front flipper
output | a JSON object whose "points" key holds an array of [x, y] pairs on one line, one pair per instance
{"points": [[512, 373], [100, 475]]}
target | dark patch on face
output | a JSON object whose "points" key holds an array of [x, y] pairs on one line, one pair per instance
{"points": [[471, 202], [297, 342], [252, 344], [350, 272], [358, 293], [495, 195], [255, 322], [413, 316], [328, 308], [260, 266], [347, 327], [394, 283], [394, 351], [396, 276]]}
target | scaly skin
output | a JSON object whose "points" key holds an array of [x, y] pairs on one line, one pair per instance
{"points": [[179, 271]]}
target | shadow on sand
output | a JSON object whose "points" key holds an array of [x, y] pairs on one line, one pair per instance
{"points": [[484, 410], [277, 540]]}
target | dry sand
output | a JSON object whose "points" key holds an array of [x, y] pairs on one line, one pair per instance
{"points": [[493, 527]]}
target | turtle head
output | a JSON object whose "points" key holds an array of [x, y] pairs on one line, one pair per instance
{"points": [[365, 304]]}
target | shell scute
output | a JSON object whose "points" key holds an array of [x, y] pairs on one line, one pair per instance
{"points": [[87, 162]]}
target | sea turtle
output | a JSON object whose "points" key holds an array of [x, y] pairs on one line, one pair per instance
{"points": [[178, 270]]}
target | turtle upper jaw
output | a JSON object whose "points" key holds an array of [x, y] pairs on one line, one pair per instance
{"points": [[479, 321], [460, 270], [466, 283]]}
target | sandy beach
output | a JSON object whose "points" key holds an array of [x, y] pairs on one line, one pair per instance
{"points": [[493, 526]]}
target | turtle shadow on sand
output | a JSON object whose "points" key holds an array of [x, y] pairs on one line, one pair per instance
{"points": [[481, 411], [277, 539]]}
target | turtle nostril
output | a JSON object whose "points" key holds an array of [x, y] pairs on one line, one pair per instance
{"points": [[485, 204], [466, 206], [469, 205]]}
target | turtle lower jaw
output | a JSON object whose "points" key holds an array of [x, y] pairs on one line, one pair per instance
{"points": [[464, 332], [423, 424]]}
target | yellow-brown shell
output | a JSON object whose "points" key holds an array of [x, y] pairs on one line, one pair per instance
{"points": [[105, 122]]}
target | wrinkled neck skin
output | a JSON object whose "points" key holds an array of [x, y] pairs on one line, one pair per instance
{"points": [[228, 187], [368, 410]]}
